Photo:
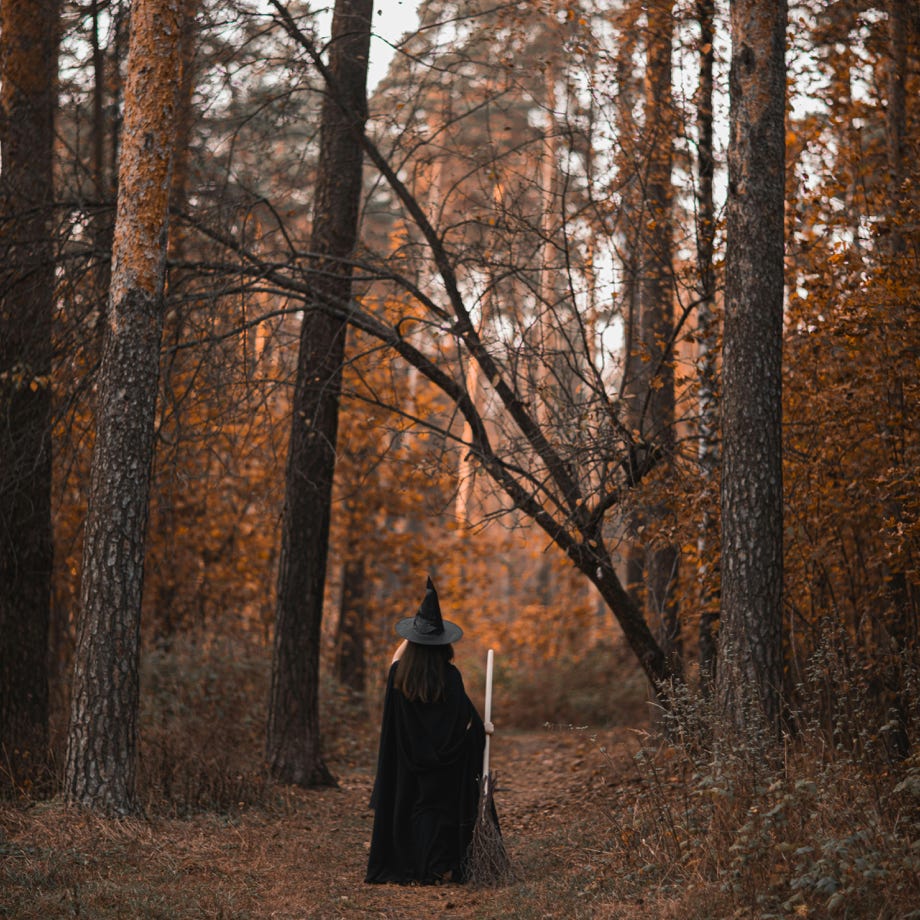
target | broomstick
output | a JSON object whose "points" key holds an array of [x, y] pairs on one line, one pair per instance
{"points": [[487, 861]]}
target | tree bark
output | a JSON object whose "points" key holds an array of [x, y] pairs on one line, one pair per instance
{"points": [[351, 668], [652, 367], [167, 488], [102, 172], [707, 338], [657, 305], [102, 742], [903, 625], [28, 84], [896, 113], [293, 737], [750, 635]]}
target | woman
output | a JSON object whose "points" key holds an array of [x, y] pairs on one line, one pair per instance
{"points": [[431, 745]]}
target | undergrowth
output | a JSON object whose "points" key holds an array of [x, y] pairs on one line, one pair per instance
{"points": [[826, 825], [703, 824], [602, 687], [202, 728]]}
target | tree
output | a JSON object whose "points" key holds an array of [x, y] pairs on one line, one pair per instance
{"points": [[28, 80], [293, 739], [102, 742], [750, 633], [651, 366], [568, 476], [707, 338], [896, 111], [849, 394]]}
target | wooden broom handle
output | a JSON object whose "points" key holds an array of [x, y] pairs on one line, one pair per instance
{"points": [[485, 756]]}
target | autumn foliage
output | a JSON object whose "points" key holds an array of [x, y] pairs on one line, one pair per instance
{"points": [[521, 139]]}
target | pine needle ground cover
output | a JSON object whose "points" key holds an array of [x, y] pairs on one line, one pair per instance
{"points": [[607, 822], [597, 826]]}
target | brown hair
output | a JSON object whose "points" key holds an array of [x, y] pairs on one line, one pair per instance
{"points": [[421, 673]]}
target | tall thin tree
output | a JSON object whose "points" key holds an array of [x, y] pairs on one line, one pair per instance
{"points": [[656, 299], [102, 735], [707, 333], [28, 78], [750, 632], [896, 113], [651, 364], [293, 738]]}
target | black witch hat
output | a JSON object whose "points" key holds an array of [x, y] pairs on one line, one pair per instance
{"points": [[428, 627]]}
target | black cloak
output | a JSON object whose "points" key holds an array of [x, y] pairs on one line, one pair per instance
{"points": [[427, 787]]}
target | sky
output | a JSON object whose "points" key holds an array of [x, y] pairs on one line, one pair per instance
{"points": [[392, 19]]}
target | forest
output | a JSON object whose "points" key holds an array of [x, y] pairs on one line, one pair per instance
{"points": [[605, 316]]}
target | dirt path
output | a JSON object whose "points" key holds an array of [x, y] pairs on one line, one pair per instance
{"points": [[306, 858], [548, 781]]}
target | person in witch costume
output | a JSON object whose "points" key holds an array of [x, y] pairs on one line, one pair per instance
{"points": [[431, 745]]}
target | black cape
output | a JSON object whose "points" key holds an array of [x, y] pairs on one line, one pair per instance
{"points": [[427, 787]]}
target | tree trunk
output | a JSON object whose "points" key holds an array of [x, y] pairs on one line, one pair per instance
{"points": [[707, 339], [903, 623], [293, 738], [168, 490], [102, 172], [28, 82], [628, 134], [652, 367], [351, 668], [102, 743], [896, 112], [657, 298], [750, 634]]}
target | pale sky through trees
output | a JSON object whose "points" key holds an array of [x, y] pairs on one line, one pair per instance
{"points": [[392, 19]]}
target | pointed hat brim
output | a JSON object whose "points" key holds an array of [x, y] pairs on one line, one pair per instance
{"points": [[407, 629]]}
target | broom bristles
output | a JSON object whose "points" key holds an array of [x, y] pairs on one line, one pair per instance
{"points": [[488, 864]]}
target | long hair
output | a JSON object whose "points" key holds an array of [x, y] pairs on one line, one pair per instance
{"points": [[421, 673]]}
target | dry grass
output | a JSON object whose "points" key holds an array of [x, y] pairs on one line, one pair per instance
{"points": [[602, 687], [816, 829], [599, 822]]}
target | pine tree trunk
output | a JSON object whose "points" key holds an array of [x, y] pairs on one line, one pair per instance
{"points": [[103, 137], [28, 83], [903, 620], [652, 366], [102, 744], [896, 114], [293, 738], [707, 339], [750, 635], [351, 668], [657, 299], [168, 491]]}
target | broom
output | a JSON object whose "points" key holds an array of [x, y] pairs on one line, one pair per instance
{"points": [[487, 861]]}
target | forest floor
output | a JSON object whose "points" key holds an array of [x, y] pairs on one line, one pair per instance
{"points": [[305, 856]]}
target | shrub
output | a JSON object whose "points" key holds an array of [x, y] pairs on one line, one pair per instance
{"points": [[825, 826]]}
